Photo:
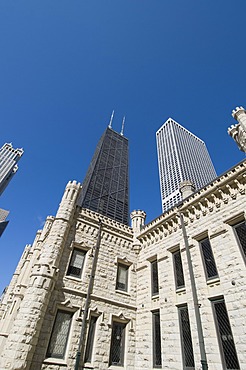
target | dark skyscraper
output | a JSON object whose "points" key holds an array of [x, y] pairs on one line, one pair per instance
{"points": [[105, 187]]}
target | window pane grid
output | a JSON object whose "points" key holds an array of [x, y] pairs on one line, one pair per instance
{"points": [[76, 263], [58, 340], [179, 274], [156, 340], [186, 338], [154, 277], [225, 336], [208, 258], [117, 344], [241, 234]]}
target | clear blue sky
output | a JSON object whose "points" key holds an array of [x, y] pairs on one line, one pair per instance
{"points": [[65, 65]]}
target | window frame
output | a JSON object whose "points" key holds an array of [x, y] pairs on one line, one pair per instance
{"points": [[155, 314], [219, 339], [68, 274], [90, 340], [122, 343], [237, 238], [49, 354], [154, 278], [126, 268], [185, 367], [205, 266], [178, 287]]}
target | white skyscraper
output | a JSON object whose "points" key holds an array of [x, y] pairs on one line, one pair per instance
{"points": [[181, 156], [8, 167]]}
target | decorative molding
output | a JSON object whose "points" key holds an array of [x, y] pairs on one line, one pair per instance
{"points": [[205, 201]]}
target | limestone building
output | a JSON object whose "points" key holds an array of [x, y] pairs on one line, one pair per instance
{"points": [[97, 293]]}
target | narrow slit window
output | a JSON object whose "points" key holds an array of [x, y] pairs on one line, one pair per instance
{"points": [[90, 339], [241, 235], [227, 346], [156, 339], [186, 340], [178, 270], [208, 259], [154, 278]]}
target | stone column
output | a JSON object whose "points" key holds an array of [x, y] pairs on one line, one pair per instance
{"points": [[23, 337]]}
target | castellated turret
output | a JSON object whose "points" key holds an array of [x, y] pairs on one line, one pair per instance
{"points": [[238, 131], [36, 287]]}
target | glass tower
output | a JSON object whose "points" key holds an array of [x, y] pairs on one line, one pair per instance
{"points": [[181, 156], [105, 187], [8, 167]]}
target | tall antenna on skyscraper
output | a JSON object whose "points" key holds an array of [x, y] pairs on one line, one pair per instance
{"points": [[123, 124], [111, 120]]}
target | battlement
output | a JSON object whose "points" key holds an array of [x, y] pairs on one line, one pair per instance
{"points": [[237, 111]]}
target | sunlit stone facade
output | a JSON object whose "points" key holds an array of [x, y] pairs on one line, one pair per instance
{"points": [[141, 311]]}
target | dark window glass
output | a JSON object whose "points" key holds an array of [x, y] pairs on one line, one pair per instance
{"points": [[154, 277], [122, 277], [241, 234], [90, 339], [187, 349], [76, 263], [178, 269], [227, 345], [117, 344], [156, 339], [208, 258], [59, 336]]}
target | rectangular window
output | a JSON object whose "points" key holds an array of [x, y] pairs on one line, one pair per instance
{"points": [[117, 347], [186, 341], [156, 339], [208, 259], [227, 346], [76, 263], [241, 235], [59, 335], [154, 278], [90, 339], [178, 270], [122, 277]]}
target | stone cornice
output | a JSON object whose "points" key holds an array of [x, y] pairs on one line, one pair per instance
{"points": [[92, 219], [207, 200]]}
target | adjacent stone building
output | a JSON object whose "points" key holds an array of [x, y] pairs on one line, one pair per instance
{"points": [[169, 294]]}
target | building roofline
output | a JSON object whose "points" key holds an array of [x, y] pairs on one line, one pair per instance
{"points": [[182, 127], [197, 194]]}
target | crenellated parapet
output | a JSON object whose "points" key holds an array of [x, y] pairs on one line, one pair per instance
{"points": [[90, 218], [238, 131], [207, 200]]}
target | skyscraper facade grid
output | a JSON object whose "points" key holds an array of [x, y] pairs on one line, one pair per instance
{"points": [[105, 187], [182, 156], [8, 164]]}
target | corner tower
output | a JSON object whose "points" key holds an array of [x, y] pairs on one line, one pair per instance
{"points": [[105, 188]]}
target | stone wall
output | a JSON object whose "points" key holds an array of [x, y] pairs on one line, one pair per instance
{"points": [[41, 285]]}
